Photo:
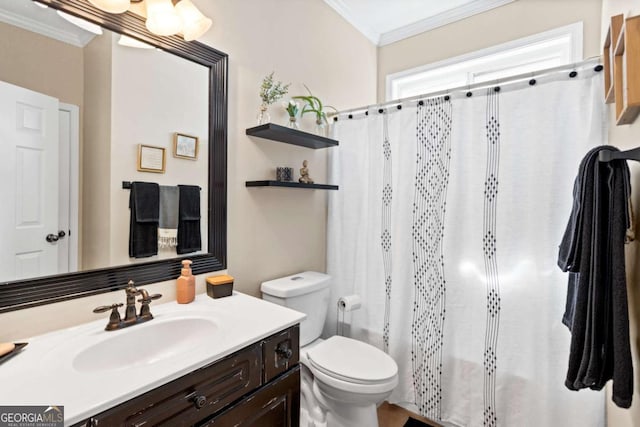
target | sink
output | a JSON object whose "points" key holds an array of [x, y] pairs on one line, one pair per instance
{"points": [[144, 344]]}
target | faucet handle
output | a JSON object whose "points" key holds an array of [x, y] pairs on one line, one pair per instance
{"points": [[104, 308], [145, 312], [114, 318], [150, 298]]}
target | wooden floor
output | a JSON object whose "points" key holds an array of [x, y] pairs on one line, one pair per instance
{"points": [[394, 416]]}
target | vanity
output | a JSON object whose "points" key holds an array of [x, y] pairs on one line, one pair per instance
{"points": [[214, 362]]}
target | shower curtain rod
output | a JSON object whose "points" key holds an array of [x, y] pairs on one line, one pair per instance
{"points": [[595, 61]]}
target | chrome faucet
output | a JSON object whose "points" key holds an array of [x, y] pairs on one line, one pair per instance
{"points": [[130, 316]]}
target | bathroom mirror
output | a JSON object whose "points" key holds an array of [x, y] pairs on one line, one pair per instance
{"points": [[111, 94]]}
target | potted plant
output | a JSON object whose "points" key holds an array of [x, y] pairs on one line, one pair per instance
{"points": [[292, 108], [314, 105], [270, 92]]}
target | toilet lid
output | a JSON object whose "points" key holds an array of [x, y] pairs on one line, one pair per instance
{"points": [[352, 360]]}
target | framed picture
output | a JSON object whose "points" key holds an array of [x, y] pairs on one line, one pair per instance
{"points": [[151, 159], [185, 146]]}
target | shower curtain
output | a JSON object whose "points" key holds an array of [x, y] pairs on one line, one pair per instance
{"points": [[447, 224]]}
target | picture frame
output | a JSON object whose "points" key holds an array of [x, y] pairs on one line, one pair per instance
{"points": [[185, 146], [151, 159]]}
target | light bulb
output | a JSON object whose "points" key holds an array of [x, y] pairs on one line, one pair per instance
{"points": [[111, 6], [194, 23], [162, 18]]}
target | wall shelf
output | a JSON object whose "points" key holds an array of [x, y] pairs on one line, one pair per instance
{"points": [[290, 184], [287, 135], [626, 80], [613, 35]]}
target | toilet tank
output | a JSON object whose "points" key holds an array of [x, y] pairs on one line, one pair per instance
{"points": [[307, 292]]}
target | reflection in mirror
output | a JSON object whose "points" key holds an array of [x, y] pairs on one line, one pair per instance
{"points": [[74, 108]]}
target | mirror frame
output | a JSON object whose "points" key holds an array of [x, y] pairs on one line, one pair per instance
{"points": [[20, 294]]}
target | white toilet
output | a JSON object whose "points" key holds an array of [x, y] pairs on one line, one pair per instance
{"points": [[343, 380]]}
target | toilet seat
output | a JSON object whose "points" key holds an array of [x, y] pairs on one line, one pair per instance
{"points": [[353, 366]]}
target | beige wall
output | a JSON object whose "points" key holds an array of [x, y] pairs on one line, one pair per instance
{"points": [[275, 232], [515, 20], [271, 232], [61, 78], [96, 153], [627, 137]]}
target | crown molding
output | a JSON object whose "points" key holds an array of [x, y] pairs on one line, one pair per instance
{"points": [[444, 18], [344, 11], [44, 29], [441, 19]]}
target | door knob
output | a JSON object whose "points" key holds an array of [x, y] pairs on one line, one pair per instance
{"points": [[55, 237]]}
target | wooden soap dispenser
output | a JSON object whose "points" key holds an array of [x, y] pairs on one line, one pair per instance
{"points": [[186, 285]]}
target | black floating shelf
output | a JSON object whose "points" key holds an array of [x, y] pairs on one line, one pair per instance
{"points": [[279, 133], [290, 184]]}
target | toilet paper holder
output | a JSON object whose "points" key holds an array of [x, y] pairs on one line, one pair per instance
{"points": [[346, 304], [349, 303]]}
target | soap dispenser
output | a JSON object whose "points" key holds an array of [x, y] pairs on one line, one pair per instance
{"points": [[186, 286]]}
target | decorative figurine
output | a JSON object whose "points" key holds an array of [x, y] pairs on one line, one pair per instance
{"points": [[304, 174]]}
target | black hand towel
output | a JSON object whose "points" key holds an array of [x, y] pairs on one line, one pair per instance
{"points": [[592, 249], [189, 239], [143, 225]]}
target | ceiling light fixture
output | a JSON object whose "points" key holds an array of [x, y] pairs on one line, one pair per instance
{"points": [[165, 17], [194, 23], [162, 18]]}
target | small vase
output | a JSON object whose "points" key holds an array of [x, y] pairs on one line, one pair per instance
{"points": [[293, 123], [263, 115], [322, 127]]}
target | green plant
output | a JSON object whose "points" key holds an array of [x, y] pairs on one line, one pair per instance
{"points": [[271, 91], [292, 108], [314, 105]]}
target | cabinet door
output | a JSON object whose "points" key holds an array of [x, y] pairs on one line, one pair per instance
{"points": [[277, 404], [280, 353], [191, 398]]}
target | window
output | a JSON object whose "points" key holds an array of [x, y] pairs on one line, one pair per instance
{"points": [[552, 48]]}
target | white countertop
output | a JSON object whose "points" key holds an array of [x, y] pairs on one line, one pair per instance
{"points": [[43, 373]]}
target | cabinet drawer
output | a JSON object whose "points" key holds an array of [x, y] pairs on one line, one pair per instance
{"points": [[191, 398], [280, 352], [276, 404]]}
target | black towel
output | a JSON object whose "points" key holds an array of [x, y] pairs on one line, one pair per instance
{"points": [[144, 203], [189, 239], [592, 250]]}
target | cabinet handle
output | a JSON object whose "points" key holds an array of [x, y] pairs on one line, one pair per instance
{"points": [[199, 401], [91, 422], [284, 351]]}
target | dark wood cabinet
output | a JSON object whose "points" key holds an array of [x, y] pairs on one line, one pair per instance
{"points": [[258, 385], [275, 405], [281, 352]]}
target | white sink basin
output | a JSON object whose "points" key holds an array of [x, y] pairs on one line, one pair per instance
{"points": [[144, 344]]}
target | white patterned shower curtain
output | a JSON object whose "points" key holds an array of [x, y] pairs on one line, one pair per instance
{"points": [[447, 224]]}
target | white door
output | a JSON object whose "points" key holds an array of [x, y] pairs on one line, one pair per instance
{"points": [[68, 182], [29, 177]]}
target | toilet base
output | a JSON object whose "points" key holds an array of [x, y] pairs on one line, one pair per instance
{"points": [[319, 410]]}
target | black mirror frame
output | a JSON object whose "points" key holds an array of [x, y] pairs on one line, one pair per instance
{"points": [[21, 294]]}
